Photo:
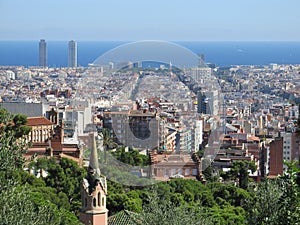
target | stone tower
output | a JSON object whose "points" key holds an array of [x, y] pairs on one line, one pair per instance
{"points": [[93, 192]]}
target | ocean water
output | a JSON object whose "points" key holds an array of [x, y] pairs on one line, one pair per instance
{"points": [[25, 53]]}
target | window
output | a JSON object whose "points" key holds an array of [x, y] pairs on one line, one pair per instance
{"points": [[155, 171], [166, 172], [180, 171], [194, 172], [94, 202], [173, 171], [99, 199], [103, 201], [187, 172]]}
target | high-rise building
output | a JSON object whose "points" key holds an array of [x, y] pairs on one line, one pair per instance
{"points": [[42, 53], [72, 54], [208, 102]]}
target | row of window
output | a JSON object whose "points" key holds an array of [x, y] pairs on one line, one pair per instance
{"points": [[97, 201], [172, 172], [40, 135]]}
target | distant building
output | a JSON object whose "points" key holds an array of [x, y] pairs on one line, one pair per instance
{"points": [[276, 157], [28, 109], [198, 134], [72, 54], [47, 139], [208, 102], [42, 53], [133, 128], [168, 166], [42, 129], [199, 74]]}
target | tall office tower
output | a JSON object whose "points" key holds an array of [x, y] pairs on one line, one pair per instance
{"points": [[43, 53], [208, 102], [72, 54]]}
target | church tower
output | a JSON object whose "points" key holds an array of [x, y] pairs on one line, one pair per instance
{"points": [[93, 192]]}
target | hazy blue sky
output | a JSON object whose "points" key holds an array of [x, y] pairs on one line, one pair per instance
{"points": [[129, 20]]}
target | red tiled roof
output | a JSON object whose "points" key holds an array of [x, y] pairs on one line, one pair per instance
{"points": [[35, 121]]}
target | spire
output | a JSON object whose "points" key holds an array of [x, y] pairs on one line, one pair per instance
{"points": [[94, 155], [93, 171]]}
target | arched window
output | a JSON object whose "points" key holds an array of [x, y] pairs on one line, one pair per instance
{"points": [[94, 202], [103, 201], [99, 199]]}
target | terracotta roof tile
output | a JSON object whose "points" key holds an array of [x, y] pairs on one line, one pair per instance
{"points": [[35, 121]]}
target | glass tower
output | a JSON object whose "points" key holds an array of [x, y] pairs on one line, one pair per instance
{"points": [[72, 54], [42, 53]]}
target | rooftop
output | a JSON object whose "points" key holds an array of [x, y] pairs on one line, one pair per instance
{"points": [[35, 121]]}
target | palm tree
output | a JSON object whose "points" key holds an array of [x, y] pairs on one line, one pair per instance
{"points": [[106, 141]]}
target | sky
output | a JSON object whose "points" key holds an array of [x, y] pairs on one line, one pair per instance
{"points": [[133, 20]]}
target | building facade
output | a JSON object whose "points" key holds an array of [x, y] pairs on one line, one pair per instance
{"points": [[276, 157], [41, 129], [72, 54], [42, 53], [208, 102], [168, 166], [133, 128]]}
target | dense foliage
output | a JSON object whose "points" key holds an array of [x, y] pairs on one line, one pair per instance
{"points": [[25, 199], [132, 157]]}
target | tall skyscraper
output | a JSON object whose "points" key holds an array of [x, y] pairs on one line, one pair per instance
{"points": [[72, 54], [208, 102], [43, 53]]}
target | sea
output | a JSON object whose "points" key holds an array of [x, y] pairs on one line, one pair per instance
{"points": [[222, 54]]}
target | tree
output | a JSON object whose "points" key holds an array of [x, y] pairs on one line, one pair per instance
{"points": [[240, 171], [266, 206], [106, 141], [290, 199], [132, 157], [208, 170], [18, 208], [164, 212], [12, 140], [66, 176], [16, 205]]}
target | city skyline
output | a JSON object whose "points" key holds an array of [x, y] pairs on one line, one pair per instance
{"points": [[134, 20]]}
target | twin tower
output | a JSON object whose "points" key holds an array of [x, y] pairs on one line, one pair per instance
{"points": [[72, 54]]}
